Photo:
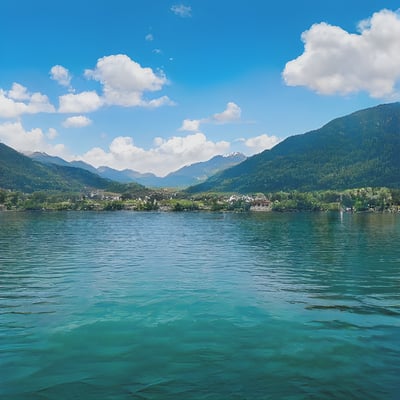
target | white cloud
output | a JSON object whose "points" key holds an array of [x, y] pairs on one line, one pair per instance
{"points": [[18, 92], [14, 135], [181, 10], [190, 125], [10, 108], [125, 82], [52, 133], [160, 101], [260, 143], [335, 61], [231, 114], [149, 37], [39, 103], [60, 75], [19, 101], [78, 121], [80, 103], [167, 154]]}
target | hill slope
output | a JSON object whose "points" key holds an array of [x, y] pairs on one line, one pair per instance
{"points": [[19, 172], [361, 149]]}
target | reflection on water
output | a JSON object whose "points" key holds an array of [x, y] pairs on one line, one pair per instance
{"points": [[199, 305]]}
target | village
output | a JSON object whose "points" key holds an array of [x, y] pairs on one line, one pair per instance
{"points": [[168, 200]]}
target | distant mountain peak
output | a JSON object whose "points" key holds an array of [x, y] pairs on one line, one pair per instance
{"points": [[234, 154], [31, 153]]}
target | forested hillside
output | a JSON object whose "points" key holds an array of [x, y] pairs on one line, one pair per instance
{"points": [[19, 172], [361, 149]]}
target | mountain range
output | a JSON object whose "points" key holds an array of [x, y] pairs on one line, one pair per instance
{"points": [[183, 177], [357, 150]]}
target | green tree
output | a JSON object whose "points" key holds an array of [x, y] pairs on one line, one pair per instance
{"points": [[3, 196]]}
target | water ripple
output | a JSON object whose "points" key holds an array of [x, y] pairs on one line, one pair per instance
{"points": [[196, 305]]}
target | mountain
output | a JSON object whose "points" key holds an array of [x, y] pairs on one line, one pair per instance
{"points": [[360, 149], [47, 159], [19, 172], [197, 172], [129, 175], [183, 177]]}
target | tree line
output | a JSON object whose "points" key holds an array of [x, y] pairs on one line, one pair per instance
{"points": [[354, 200]]}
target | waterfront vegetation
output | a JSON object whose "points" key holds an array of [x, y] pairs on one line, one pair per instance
{"points": [[354, 200]]}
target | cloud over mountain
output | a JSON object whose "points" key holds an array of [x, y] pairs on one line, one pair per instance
{"points": [[166, 155], [260, 143], [19, 101], [15, 135]]}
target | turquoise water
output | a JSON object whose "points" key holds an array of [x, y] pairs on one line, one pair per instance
{"points": [[130, 305]]}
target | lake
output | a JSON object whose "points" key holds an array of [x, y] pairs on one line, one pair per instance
{"points": [[136, 305]]}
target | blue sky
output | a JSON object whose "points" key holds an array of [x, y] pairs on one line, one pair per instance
{"points": [[153, 85]]}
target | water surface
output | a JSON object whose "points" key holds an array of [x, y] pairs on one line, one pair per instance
{"points": [[130, 305]]}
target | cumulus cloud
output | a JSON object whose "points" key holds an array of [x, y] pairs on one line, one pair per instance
{"points": [[125, 81], [14, 135], [190, 125], [181, 10], [231, 114], [18, 101], [78, 121], [260, 143], [80, 103], [167, 154], [149, 37], [60, 75], [335, 61], [18, 92]]}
